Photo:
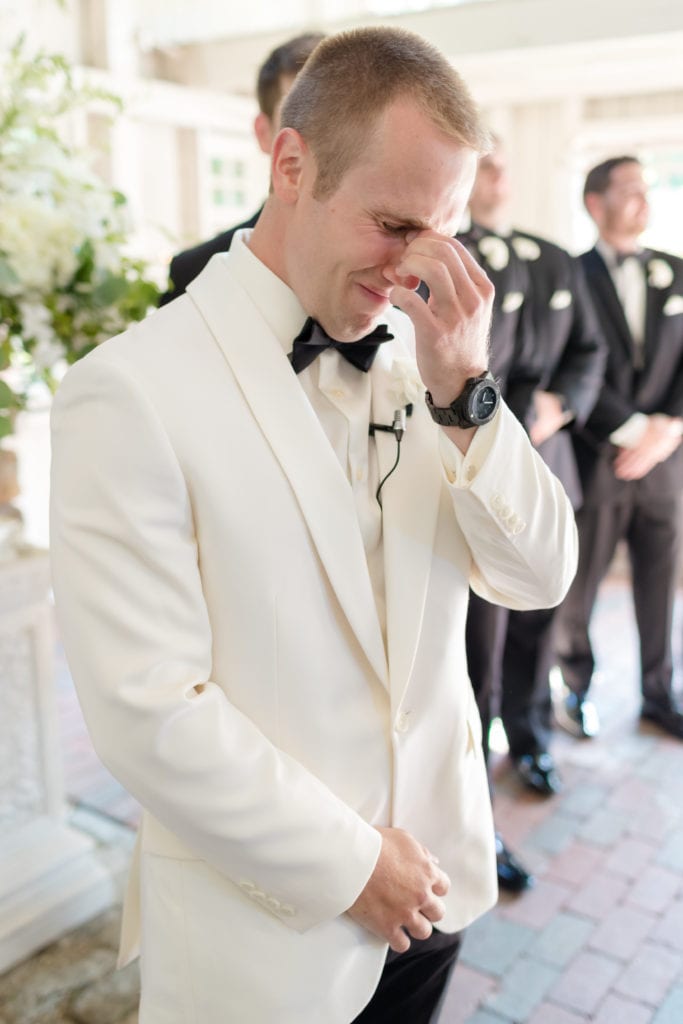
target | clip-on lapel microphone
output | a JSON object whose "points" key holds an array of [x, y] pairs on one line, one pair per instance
{"points": [[398, 429]]}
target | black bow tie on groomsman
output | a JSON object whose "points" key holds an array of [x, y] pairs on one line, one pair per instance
{"points": [[312, 341], [641, 256]]}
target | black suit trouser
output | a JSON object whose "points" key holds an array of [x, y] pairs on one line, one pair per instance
{"points": [[412, 984], [526, 705], [652, 533], [484, 639]]}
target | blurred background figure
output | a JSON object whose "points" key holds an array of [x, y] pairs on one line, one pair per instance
{"points": [[275, 78], [628, 452], [511, 362], [569, 355]]}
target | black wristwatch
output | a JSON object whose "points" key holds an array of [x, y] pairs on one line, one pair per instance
{"points": [[475, 405]]}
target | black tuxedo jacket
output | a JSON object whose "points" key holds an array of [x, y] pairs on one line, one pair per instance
{"points": [[512, 357], [657, 387], [568, 345], [189, 263]]}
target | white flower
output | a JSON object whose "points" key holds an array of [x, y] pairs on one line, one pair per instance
{"points": [[512, 301], [406, 386], [39, 243], [47, 354], [560, 299], [526, 248], [36, 322], [673, 305], [660, 273], [495, 251]]}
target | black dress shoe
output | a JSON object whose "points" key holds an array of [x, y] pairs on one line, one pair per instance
{"points": [[511, 875], [538, 771], [664, 714], [578, 717]]}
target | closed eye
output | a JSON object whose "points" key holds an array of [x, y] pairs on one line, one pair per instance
{"points": [[394, 229]]}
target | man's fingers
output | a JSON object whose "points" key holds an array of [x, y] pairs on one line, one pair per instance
{"points": [[434, 909], [441, 883], [419, 927], [398, 941], [414, 306]]}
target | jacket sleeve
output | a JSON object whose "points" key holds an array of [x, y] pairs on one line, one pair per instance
{"points": [[516, 518]]}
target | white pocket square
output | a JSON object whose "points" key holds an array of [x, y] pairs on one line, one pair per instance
{"points": [[561, 299], [512, 301], [673, 305]]}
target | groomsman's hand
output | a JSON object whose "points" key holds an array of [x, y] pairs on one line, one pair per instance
{"points": [[550, 416], [661, 438], [402, 895]]}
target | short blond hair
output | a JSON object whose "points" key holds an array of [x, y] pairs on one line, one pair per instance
{"points": [[349, 81]]}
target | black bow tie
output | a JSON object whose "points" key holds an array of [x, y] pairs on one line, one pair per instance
{"points": [[621, 257], [312, 341]]}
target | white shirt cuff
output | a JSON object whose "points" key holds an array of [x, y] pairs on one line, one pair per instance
{"points": [[629, 434]]}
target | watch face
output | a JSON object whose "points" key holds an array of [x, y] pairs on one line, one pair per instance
{"points": [[484, 403]]}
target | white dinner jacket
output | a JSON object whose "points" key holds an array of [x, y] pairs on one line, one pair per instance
{"points": [[218, 617]]}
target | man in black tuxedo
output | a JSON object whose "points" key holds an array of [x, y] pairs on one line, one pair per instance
{"points": [[569, 358], [629, 455], [275, 79], [512, 363]]}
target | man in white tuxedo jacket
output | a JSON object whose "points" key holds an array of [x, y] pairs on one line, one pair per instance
{"points": [[270, 656]]}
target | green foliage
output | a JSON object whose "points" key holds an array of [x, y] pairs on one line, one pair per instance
{"points": [[67, 281]]}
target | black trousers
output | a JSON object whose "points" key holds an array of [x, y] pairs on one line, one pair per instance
{"points": [[651, 530], [412, 984], [484, 639], [526, 705]]}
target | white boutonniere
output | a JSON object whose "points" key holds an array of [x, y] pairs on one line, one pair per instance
{"points": [[526, 248], [511, 301], [495, 251], [673, 305], [561, 299], [406, 384], [660, 273]]}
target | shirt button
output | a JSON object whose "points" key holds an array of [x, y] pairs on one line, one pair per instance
{"points": [[497, 502], [471, 472], [337, 393], [360, 475], [403, 721]]}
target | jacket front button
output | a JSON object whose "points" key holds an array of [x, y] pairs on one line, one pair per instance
{"points": [[403, 721]]}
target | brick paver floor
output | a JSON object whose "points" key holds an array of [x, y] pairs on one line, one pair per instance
{"points": [[599, 938]]}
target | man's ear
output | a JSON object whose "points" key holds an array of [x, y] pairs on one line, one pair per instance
{"points": [[263, 130], [289, 157], [593, 203]]}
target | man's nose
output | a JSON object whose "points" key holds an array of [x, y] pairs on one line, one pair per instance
{"points": [[395, 253]]}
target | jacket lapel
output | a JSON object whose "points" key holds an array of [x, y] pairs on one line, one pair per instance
{"points": [[297, 440], [410, 504], [604, 286], [654, 306]]}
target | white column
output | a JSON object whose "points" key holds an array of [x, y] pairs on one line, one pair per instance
{"points": [[541, 141], [50, 877]]}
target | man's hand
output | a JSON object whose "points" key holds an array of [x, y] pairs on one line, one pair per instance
{"points": [[402, 892], [452, 328], [549, 417], [661, 438]]}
